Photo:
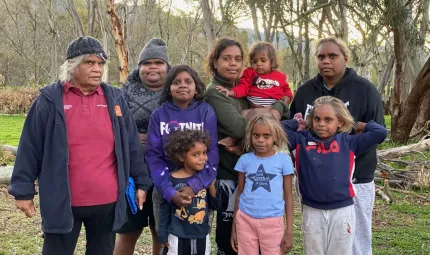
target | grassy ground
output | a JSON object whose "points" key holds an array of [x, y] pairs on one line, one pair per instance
{"points": [[398, 228], [10, 129]]}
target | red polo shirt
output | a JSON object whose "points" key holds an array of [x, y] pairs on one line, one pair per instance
{"points": [[93, 176]]}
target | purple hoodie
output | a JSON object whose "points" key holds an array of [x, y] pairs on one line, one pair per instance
{"points": [[168, 118]]}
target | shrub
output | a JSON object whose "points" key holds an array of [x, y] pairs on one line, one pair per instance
{"points": [[17, 100]]}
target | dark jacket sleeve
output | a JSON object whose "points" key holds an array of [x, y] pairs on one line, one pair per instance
{"points": [[164, 221], [294, 106], [375, 108], [214, 202], [290, 129], [138, 168], [373, 135], [30, 151]]}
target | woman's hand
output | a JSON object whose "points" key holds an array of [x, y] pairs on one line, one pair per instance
{"points": [[183, 196], [142, 138], [233, 239], [140, 198], [287, 243], [226, 91]]}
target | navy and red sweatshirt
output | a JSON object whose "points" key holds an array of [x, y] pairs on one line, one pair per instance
{"points": [[325, 168]]}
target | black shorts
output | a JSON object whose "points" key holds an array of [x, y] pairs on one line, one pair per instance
{"points": [[141, 219]]}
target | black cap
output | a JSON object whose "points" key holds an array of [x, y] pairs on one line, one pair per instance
{"points": [[85, 45]]}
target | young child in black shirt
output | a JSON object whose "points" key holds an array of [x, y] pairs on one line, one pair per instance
{"points": [[185, 230]]}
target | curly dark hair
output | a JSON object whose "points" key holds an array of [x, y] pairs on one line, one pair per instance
{"points": [[171, 75], [181, 141]]}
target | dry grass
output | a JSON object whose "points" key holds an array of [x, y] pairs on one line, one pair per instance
{"points": [[17, 100], [6, 156], [423, 178]]}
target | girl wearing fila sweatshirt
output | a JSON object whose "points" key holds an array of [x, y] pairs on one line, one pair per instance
{"points": [[182, 108], [325, 165]]}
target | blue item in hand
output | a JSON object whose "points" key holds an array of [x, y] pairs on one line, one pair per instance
{"points": [[130, 194]]}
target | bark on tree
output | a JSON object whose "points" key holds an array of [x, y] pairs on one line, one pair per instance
{"points": [[343, 33], [120, 47], [207, 23], [306, 71], [424, 114], [91, 16], [76, 18], [257, 35], [54, 40], [386, 76], [103, 29], [403, 121]]}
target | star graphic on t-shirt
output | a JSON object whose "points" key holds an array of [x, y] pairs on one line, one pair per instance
{"points": [[261, 179]]}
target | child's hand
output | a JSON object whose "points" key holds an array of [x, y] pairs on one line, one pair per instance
{"points": [[302, 123], [212, 189], [233, 239], [212, 185], [226, 91], [287, 243], [286, 99]]}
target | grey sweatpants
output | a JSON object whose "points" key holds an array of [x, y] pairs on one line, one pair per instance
{"points": [[328, 232], [363, 202]]}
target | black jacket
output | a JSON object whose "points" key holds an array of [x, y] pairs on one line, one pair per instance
{"points": [[363, 102], [43, 155]]}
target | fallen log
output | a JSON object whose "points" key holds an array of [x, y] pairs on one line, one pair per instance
{"points": [[5, 174], [411, 193], [397, 151], [384, 196], [5, 180]]}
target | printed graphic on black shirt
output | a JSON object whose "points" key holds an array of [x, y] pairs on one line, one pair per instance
{"points": [[196, 212]]}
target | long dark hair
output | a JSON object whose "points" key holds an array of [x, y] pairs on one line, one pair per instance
{"points": [[171, 75], [215, 53]]}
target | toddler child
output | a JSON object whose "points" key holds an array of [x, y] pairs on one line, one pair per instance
{"points": [[185, 230]]}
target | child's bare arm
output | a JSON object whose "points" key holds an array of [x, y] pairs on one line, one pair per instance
{"points": [[287, 240], [240, 187]]}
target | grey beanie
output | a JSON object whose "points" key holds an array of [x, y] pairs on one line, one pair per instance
{"points": [[156, 48], [85, 45]]}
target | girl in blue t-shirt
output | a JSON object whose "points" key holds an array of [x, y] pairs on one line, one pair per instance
{"points": [[264, 191]]}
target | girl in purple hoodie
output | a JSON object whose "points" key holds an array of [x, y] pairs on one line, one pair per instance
{"points": [[183, 107]]}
